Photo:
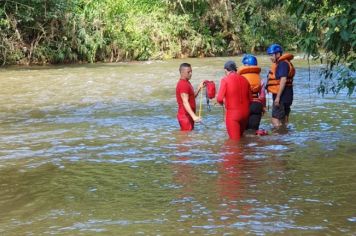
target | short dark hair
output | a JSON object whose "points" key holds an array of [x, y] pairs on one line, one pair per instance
{"points": [[230, 66], [184, 65]]}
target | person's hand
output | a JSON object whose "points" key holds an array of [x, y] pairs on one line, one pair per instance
{"points": [[264, 110], [276, 101], [201, 85], [197, 119]]}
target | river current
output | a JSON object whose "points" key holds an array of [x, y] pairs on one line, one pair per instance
{"points": [[96, 150]]}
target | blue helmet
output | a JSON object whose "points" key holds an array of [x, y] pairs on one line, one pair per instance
{"points": [[274, 48], [249, 59]]}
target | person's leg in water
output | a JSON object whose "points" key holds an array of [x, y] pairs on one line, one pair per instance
{"points": [[278, 115], [287, 112], [233, 128], [185, 122], [243, 125], [254, 120], [236, 123]]}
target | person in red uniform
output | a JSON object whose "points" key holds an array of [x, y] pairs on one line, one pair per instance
{"points": [[235, 94], [186, 99]]}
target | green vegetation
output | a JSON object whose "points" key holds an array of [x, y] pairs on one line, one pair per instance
{"points": [[330, 27], [63, 31], [71, 31]]}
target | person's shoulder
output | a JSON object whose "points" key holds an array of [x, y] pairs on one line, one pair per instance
{"points": [[283, 64], [184, 85], [223, 79], [182, 82]]}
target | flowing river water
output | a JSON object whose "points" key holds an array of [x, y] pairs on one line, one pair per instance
{"points": [[96, 150]]}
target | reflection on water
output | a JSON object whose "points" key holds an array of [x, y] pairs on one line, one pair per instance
{"points": [[96, 149]]}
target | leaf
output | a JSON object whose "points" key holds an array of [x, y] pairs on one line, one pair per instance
{"points": [[300, 10], [345, 35]]}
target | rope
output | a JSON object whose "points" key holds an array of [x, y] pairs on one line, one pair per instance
{"points": [[200, 102]]}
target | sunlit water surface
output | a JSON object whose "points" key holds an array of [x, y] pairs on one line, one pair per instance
{"points": [[96, 150]]}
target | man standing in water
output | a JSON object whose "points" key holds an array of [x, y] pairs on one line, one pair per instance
{"points": [[235, 93], [280, 84], [186, 99]]}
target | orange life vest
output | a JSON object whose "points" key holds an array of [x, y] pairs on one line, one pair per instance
{"points": [[273, 83], [252, 74]]}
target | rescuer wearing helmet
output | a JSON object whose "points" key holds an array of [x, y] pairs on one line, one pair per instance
{"points": [[251, 71], [280, 84]]}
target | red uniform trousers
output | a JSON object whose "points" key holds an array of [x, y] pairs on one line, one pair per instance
{"points": [[236, 122], [186, 122]]}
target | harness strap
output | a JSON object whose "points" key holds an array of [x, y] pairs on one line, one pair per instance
{"points": [[207, 100]]}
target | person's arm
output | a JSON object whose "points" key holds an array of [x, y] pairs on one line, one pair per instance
{"points": [[262, 95], [185, 99], [201, 85], [250, 94], [282, 84], [282, 72], [222, 92]]}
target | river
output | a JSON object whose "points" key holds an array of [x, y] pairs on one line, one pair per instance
{"points": [[96, 150]]}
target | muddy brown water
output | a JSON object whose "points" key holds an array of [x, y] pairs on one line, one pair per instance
{"points": [[96, 150]]}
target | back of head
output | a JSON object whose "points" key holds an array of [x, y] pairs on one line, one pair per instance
{"points": [[249, 60], [230, 66], [184, 65], [274, 48]]}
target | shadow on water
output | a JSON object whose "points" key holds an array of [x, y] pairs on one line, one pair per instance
{"points": [[96, 149]]}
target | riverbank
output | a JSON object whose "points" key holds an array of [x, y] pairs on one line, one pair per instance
{"points": [[61, 31]]}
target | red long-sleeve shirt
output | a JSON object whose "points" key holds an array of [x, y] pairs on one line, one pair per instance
{"points": [[235, 92]]}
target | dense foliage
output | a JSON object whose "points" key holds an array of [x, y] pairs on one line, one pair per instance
{"points": [[61, 31], [328, 32], [70, 31]]}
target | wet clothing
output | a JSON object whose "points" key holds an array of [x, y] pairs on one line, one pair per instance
{"points": [[286, 100], [256, 112], [281, 111], [185, 120], [235, 93], [256, 109], [254, 120]]}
